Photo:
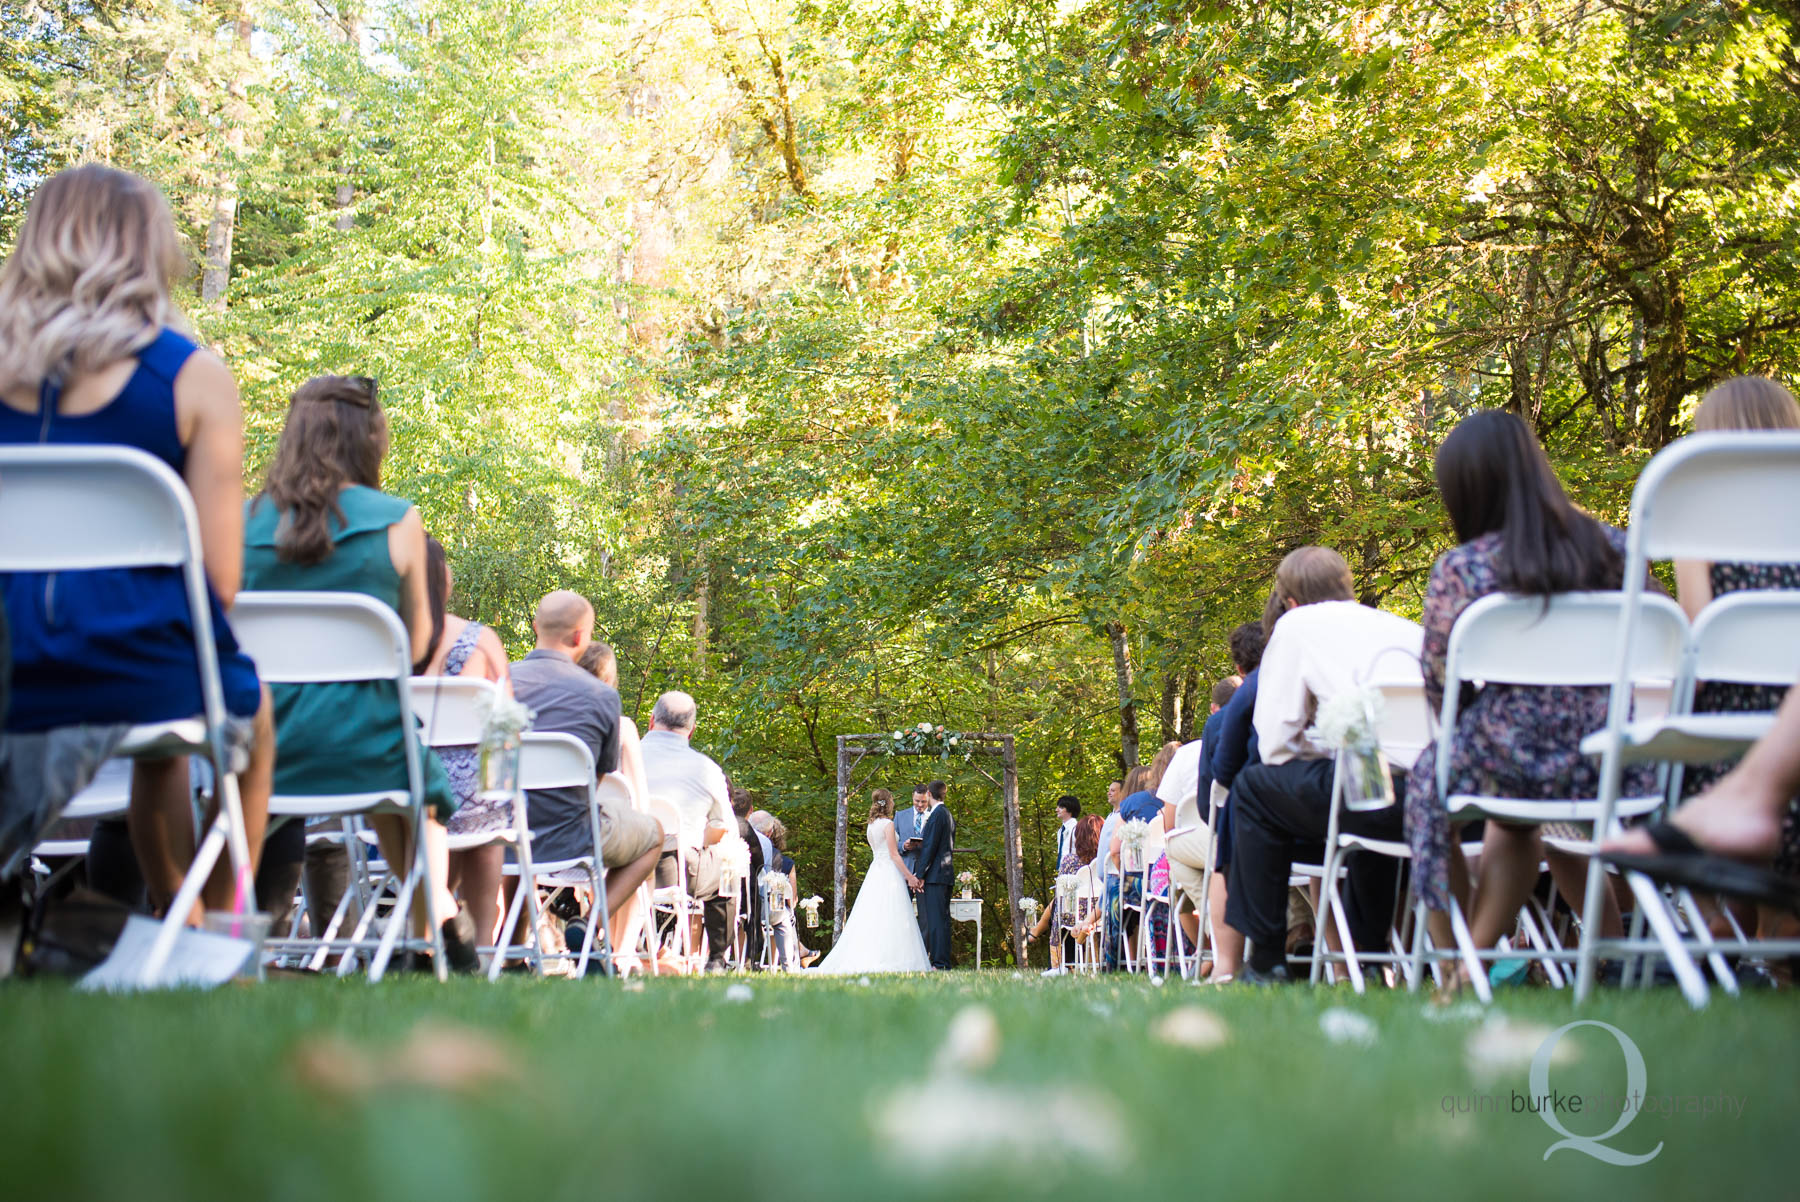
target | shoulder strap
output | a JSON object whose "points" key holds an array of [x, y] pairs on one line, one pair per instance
{"points": [[461, 649]]}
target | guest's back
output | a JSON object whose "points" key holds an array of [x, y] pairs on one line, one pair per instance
{"points": [[566, 699]]}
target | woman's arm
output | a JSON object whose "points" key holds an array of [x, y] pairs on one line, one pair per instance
{"points": [[1168, 816], [1113, 847], [492, 657], [1693, 586], [893, 849], [210, 422], [1445, 598], [631, 760], [406, 548]]}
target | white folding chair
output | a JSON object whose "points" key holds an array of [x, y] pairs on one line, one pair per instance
{"points": [[1176, 957], [1722, 497], [81, 508], [1403, 733], [673, 900], [1534, 642], [304, 638], [557, 761], [1136, 948]]}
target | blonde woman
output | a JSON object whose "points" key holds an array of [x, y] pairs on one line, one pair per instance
{"points": [[882, 932], [91, 353]]}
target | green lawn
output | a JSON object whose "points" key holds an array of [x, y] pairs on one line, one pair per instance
{"points": [[816, 1089]]}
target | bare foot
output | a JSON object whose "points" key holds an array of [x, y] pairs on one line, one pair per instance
{"points": [[1721, 822]]}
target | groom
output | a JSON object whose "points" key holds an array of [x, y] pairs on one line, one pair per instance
{"points": [[937, 834]]}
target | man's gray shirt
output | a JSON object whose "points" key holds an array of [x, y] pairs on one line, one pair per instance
{"points": [[567, 699]]}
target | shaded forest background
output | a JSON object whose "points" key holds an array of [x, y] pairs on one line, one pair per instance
{"points": [[871, 362]]}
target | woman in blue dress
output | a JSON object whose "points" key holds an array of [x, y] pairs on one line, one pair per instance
{"points": [[89, 354]]}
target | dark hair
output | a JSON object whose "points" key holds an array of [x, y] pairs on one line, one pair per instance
{"points": [[1068, 802], [918, 789], [437, 596], [336, 434], [1494, 479], [937, 790], [1224, 690], [1087, 838], [1247, 643], [740, 799]]}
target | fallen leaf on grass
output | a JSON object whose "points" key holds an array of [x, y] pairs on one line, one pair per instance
{"points": [[1501, 1045], [435, 1056], [1347, 1026], [971, 1041], [739, 992], [953, 1123], [1192, 1027]]}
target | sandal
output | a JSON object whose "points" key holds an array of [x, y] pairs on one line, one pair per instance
{"points": [[1678, 860]]}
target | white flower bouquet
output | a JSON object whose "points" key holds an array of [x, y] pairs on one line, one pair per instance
{"points": [[1132, 837], [779, 889], [503, 722], [1067, 886], [810, 908], [1030, 907], [1350, 724], [966, 879]]}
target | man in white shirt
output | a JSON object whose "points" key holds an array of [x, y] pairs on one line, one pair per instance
{"points": [[1321, 644], [694, 785], [1068, 813]]}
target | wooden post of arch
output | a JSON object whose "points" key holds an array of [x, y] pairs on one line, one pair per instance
{"points": [[853, 749]]}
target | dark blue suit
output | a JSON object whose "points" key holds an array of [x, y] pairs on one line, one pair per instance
{"points": [[935, 869]]}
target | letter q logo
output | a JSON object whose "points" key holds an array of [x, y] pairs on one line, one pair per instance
{"points": [[1593, 1145]]}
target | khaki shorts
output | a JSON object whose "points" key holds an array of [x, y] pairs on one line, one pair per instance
{"points": [[626, 834], [1187, 859]]}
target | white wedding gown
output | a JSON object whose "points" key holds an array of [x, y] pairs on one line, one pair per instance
{"points": [[882, 932]]}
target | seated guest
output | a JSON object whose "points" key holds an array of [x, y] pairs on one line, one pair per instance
{"points": [[1232, 747], [322, 524], [787, 939], [1519, 534], [1745, 403], [568, 700], [693, 783], [603, 662], [760, 857], [1076, 852], [460, 647], [1126, 888], [1115, 794], [90, 354], [1187, 851], [1080, 924], [1321, 644]]}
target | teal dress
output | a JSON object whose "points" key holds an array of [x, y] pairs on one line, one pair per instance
{"points": [[340, 738]]}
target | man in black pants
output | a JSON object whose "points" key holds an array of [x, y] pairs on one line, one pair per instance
{"points": [[1321, 644]]}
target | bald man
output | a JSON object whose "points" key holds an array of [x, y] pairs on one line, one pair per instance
{"points": [[568, 699]]}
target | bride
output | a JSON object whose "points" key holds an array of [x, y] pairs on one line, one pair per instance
{"points": [[882, 934]]}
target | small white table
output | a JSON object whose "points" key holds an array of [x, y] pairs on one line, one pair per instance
{"points": [[968, 909]]}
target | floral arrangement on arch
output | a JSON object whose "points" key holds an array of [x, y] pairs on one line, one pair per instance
{"points": [[926, 739]]}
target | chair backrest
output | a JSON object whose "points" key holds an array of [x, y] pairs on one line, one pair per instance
{"points": [[1405, 727], [76, 508], [321, 638], [453, 709], [615, 792], [1518, 640], [1748, 638], [1729, 496], [554, 761], [664, 812], [324, 638], [1570, 641]]}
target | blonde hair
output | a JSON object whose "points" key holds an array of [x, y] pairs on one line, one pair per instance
{"points": [[1160, 765], [87, 283], [1307, 576], [1748, 403]]}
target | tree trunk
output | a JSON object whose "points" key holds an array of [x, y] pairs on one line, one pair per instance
{"points": [[1171, 711], [215, 279], [1128, 723], [1190, 706], [702, 615], [1665, 378]]}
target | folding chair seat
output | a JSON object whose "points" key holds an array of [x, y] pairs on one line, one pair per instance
{"points": [[78, 508], [319, 638], [673, 901]]}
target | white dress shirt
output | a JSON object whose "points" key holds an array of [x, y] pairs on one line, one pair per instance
{"points": [[1182, 776], [1065, 840], [690, 781], [1316, 652]]}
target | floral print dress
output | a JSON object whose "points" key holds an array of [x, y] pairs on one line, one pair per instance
{"points": [[1515, 741]]}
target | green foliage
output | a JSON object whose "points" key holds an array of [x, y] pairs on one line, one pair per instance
{"points": [[869, 362]]}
